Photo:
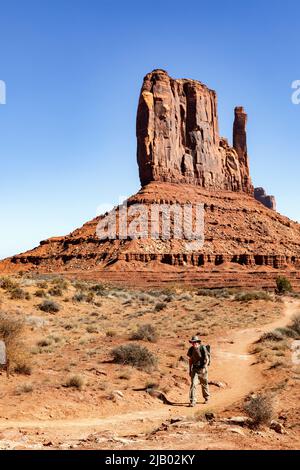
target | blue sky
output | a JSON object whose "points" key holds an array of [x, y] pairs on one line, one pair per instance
{"points": [[73, 71]]}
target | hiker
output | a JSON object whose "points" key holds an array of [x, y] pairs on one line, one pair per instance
{"points": [[198, 367], [4, 362]]}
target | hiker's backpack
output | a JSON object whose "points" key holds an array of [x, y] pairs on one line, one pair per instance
{"points": [[207, 347]]}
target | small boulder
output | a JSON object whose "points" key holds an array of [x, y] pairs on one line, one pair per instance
{"points": [[277, 427]]}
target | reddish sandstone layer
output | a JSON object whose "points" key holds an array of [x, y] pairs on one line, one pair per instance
{"points": [[239, 231]]}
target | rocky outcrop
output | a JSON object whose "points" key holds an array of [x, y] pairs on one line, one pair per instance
{"points": [[240, 145], [178, 137], [268, 201]]}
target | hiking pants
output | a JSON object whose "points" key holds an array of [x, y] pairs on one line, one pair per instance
{"points": [[202, 375]]}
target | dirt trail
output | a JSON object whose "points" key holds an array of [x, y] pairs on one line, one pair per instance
{"points": [[231, 363]]}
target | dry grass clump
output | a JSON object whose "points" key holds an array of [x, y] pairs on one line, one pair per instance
{"points": [[40, 293], [19, 294], [83, 297], [60, 283], [8, 284], [145, 332], [55, 291], [24, 388], [75, 381]]}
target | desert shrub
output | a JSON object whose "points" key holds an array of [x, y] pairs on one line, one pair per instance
{"points": [[23, 366], [42, 285], [274, 335], [111, 333], [254, 295], [7, 284], [159, 306], [83, 297], [24, 388], [135, 355], [292, 330], [11, 332], [60, 283], [295, 325], [125, 375], [283, 285], [56, 291], [10, 328], [19, 294], [42, 343], [260, 409], [145, 332], [74, 381], [81, 286], [98, 289], [217, 293], [40, 293], [49, 306], [92, 329], [79, 297]]}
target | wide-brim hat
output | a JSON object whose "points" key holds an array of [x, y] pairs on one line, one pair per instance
{"points": [[195, 339]]}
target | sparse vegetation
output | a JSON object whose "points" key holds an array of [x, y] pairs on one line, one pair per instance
{"points": [[283, 285], [259, 408], [22, 367], [55, 291], [19, 294], [111, 333], [253, 295], [8, 284], [60, 283], [24, 388], [49, 306], [83, 297], [218, 293], [135, 355], [160, 306], [40, 293], [145, 332], [75, 381]]}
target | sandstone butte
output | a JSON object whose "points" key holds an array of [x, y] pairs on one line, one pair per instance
{"points": [[182, 159]]}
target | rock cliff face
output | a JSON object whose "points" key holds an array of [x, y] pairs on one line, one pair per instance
{"points": [[178, 137], [268, 201]]}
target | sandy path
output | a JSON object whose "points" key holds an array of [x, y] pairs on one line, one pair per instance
{"points": [[231, 363]]}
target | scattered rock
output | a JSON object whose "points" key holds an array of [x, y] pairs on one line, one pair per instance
{"points": [[241, 420], [209, 416], [277, 427], [218, 384], [237, 431]]}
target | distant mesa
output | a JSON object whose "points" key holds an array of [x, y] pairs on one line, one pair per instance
{"points": [[182, 160]]}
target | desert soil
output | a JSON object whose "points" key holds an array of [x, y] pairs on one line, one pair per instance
{"points": [[107, 412]]}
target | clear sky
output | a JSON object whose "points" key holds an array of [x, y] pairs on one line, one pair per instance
{"points": [[73, 71]]}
